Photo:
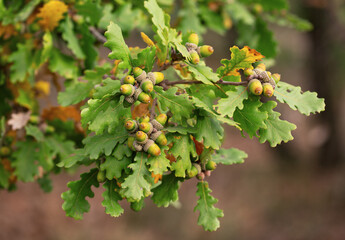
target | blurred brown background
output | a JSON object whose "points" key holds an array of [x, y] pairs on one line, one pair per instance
{"points": [[294, 191]]}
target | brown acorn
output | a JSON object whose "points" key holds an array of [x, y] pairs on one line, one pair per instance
{"points": [[267, 90], [152, 148], [255, 87], [205, 50], [141, 137]]}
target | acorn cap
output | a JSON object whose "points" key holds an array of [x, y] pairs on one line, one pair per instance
{"points": [[151, 76], [195, 59], [159, 76], [255, 87], [144, 98], [130, 100], [141, 77], [205, 50], [191, 47], [141, 137], [193, 38], [155, 135], [146, 86], [137, 93], [157, 125], [137, 71], [148, 144], [211, 165], [267, 90], [129, 79], [127, 89], [137, 146], [162, 118]]}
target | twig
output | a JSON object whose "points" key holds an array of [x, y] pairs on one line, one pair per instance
{"points": [[97, 35], [152, 110]]}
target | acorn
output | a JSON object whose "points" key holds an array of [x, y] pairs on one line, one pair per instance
{"points": [[101, 176], [141, 96], [255, 87], [159, 77], [193, 38], [139, 74], [210, 165], [162, 118], [261, 66], [157, 125], [129, 80], [146, 127], [5, 151], [248, 71], [207, 173], [267, 90], [137, 146], [200, 176], [152, 148], [276, 77], [146, 86], [141, 137], [195, 59], [127, 89], [159, 137], [131, 125], [192, 172], [130, 142], [205, 50], [144, 119]]}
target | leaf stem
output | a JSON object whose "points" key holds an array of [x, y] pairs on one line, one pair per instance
{"points": [[97, 35]]}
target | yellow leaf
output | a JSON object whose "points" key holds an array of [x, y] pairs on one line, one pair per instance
{"points": [[147, 40], [51, 13], [43, 87]]}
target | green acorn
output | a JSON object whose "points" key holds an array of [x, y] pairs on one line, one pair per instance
{"points": [[267, 89], [127, 89], [130, 142], [131, 125], [101, 176], [5, 151], [141, 137], [144, 119], [152, 148], [146, 86], [159, 77], [248, 71], [144, 98], [49, 129], [146, 127], [195, 59], [192, 172], [276, 77], [162, 118], [159, 137], [261, 66], [129, 80], [139, 74], [193, 38], [206, 50], [211, 165], [255, 87]]}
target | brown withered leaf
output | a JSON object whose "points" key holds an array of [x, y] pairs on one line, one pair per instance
{"points": [[19, 120], [62, 113]]}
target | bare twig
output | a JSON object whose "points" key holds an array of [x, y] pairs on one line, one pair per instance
{"points": [[152, 110], [97, 35]]}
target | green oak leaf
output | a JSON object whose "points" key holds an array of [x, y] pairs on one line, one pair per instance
{"points": [[277, 130], [203, 73], [106, 113], [68, 34], [35, 132], [229, 156], [116, 43], [98, 144], [304, 102], [167, 191], [114, 166], [74, 158], [137, 206], [60, 146], [227, 106], [90, 10], [109, 88], [146, 58], [111, 198], [136, 184], [266, 43], [4, 177], [75, 204], [62, 64], [180, 129], [208, 217], [182, 149], [159, 164], [24, 162], [250, 118], [22, 61], [179, 105], [45, 183], [210, 131]]}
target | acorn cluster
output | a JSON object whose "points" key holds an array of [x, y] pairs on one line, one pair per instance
{"points": [[201, 171], [261, 81], [147, 135], [140, 85], [195, 51]]}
